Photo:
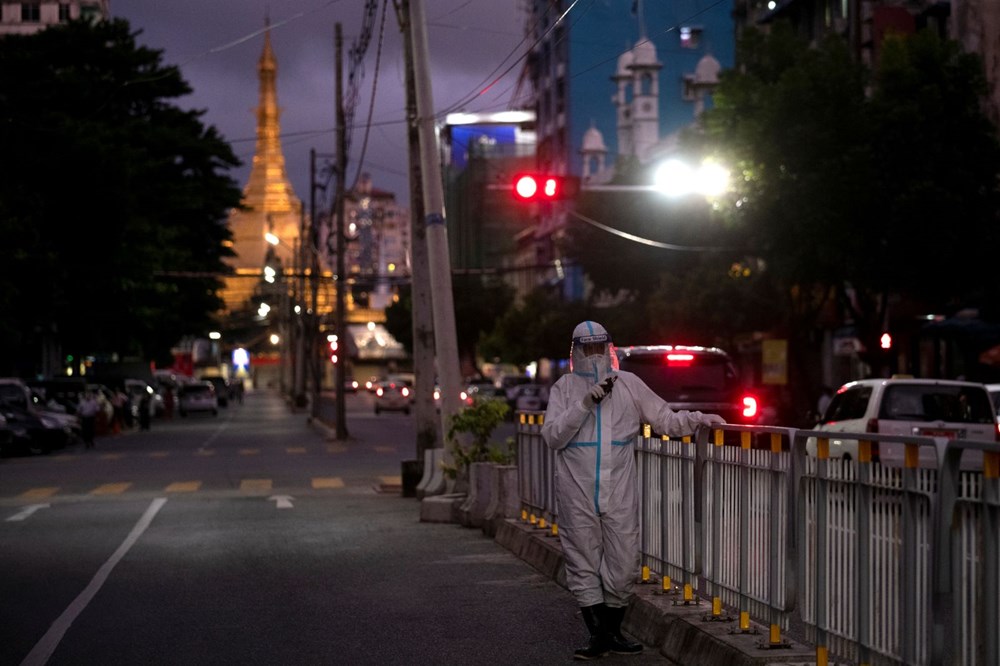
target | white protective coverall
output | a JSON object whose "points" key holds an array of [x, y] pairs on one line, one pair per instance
{"points": [[596, 488]]}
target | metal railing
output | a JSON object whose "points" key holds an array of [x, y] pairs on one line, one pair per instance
{"points": [[882, 563]]}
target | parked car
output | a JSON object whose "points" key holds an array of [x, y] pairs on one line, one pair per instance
{"points": [[531, 398], [222, 389], [197, 397], [485, 390], [693, 378], [994, 391], [906, 406], [34, 427], [393, 396]]}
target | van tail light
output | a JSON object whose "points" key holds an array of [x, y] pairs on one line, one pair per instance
{"points": [[750, 407], [681, 360], [873, 427]]}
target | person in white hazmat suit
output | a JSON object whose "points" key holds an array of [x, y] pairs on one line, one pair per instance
{"points": [[592, 422]]}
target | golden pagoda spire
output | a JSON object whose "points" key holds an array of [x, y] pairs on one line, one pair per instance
{"points": [[268, 188], [270, 206]]}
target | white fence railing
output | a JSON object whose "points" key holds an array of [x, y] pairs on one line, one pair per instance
{"points": [[881, 563]]}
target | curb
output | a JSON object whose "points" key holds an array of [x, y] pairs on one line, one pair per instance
{"points": [[678, 632]]}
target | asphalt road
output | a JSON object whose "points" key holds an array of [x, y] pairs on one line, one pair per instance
{"points": [[249, 538]]}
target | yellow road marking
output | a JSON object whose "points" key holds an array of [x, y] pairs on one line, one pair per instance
{"points": [[385, 449], [111, 456], [158, 454], [183, 487], [295, 449], [336, 448], [250, 485], [327, 482], [111, 489], [249, 452], [39, 493]]}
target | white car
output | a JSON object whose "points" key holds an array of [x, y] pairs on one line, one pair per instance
{"points": [[904, 406], [197, 397]]}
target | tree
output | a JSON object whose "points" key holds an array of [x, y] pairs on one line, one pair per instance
{"points": [[871, 188], [105, 188]]}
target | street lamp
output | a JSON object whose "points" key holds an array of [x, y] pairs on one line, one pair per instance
{"points": [[675, 178]]}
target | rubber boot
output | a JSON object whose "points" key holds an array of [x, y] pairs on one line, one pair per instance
{"points": [[613, 638], [597, 647]]}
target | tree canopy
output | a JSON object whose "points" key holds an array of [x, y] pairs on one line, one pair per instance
{"points": [[878, 186], [107, 187]]}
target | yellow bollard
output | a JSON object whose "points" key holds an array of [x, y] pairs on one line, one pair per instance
{"points": [[555, 530], [523, 419], [719, 435], [533, 519], [716, 606], [524, 515], [645, 573], [647, 430], [688, 592], [666, 584], [775, 443], [822, 659], [541, 523], [775, 634], [745, 440]]}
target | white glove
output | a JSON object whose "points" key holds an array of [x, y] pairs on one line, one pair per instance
{"points": [[593, 396], [709, 420]]}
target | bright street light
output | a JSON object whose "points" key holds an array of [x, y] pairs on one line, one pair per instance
{"points": [[675, 178], [271, 238]]}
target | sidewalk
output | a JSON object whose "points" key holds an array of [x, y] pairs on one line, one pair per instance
{"points": [[682, 633]]}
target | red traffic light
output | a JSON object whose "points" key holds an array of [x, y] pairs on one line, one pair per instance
{"points": [[544, 187]]}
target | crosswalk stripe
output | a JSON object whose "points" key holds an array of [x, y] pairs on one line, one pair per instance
{"points": [[111, 489], [327, 482], [183, 487], [249, 452], [250, 485], [39, 493]]}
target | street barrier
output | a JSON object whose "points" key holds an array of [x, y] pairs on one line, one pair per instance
{"points": [[881, 563]]}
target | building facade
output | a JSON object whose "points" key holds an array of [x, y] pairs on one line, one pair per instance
{"points": [[26, 17]]}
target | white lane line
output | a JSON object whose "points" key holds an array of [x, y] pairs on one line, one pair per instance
{"points": [[44, 648], [215, 435], [281, 501], [27, 511]]}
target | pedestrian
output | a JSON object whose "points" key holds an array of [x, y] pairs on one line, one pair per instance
{"points": [[592, 421], [144, 407], [118, 401], [87, 411]]}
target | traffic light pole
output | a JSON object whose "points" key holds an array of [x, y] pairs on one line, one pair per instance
{"points": [[445, 339], [341, 284]]}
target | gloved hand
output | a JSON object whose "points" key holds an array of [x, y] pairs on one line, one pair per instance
{"points": [[709, 420], [593, 396]]}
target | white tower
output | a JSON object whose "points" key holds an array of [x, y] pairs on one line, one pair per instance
{"points": [[622, 100], [645, 97], [594, 153]]}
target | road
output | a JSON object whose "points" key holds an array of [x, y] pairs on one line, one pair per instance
{"points": [[250, 538]]}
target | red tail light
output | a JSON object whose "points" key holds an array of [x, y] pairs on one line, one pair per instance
{"points": [[750, 408], [680, 359]]}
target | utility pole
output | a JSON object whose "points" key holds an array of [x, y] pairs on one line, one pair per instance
{"points": [[341, 277], [427, 426], [445, 339]]}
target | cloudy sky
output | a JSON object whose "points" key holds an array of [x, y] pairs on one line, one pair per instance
{"points": [[217, 44]]}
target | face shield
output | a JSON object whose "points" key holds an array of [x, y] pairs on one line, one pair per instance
{"points": [[592, 353]]}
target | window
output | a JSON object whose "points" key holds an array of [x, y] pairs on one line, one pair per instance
{"points": [[63, 12], [848, 405], [31, 12]]}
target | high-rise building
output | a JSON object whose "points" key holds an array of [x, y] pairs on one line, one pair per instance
{"points": [[27, 16]]}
